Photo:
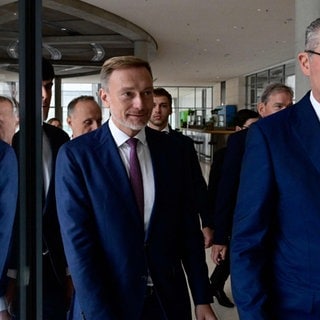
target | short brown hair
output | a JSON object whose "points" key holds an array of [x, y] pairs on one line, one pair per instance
{"points": [[121, 62], [275, 88], [161, 92]]}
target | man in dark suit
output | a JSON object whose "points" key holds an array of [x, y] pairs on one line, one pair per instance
{"points": [[275, 97], [126, 257], [8, 201], [55, 280], [275, 241], [244, 118], [159, 120]]}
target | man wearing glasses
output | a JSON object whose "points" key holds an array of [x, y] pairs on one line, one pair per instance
{"points": [[275, 241]]}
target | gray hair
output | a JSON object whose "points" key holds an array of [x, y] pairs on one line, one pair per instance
{"points": [[275, 88], [14, 104], [312, 36], [74, 101]]}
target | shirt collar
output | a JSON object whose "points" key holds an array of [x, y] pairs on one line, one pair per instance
{"points": [[315, 104], [166, 129], [120, 137]]}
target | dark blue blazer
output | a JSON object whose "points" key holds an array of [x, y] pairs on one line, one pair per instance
{"points": [[275, 243], [223, 198], [107, 250], [8, 202], [199, 183]]}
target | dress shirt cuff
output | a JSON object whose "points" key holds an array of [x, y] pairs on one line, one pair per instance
{"points": [[3, 303]]}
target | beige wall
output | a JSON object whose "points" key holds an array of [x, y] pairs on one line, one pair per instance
{"points": [[235, 92]]}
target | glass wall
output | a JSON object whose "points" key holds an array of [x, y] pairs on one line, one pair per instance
{"points": [[255, 83], [191, 106]]}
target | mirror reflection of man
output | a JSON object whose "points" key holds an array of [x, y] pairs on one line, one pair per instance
{"points": [[56, 283], [84, 115], [9, 119]]}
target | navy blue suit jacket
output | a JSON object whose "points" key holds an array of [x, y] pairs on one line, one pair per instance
{"points": [[198, 181], [107, 250], [223, 199], [275, 243], [8, 202]]}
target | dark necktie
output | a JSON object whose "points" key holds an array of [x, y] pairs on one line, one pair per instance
{"points": [[135, 175]]}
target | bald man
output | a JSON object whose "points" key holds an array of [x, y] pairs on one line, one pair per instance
{"points": [[84, 115]]}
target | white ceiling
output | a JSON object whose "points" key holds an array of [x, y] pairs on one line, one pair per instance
{"points": [[201, 42], [205, 41]]}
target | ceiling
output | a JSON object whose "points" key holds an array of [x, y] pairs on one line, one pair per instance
{"points": [[190, 42]]}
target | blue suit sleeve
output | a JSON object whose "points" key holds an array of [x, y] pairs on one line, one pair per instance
{"points": [[251, 226], [79, 238], [227, 188]]}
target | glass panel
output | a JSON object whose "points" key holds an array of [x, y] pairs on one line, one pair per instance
{"points": [[277, 74], [262, 82]]}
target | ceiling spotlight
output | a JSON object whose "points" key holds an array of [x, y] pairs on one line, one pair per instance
{"points": [[13, 49], [54, 52], [98, 50]]}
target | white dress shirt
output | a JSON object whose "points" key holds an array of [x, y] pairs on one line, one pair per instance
{"points": [[315, 104], [145, 163]]}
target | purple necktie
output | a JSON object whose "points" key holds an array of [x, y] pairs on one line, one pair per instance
{"points": [[135, 175]]}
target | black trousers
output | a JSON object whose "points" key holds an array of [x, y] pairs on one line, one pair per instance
{"points": [[152, 309]]}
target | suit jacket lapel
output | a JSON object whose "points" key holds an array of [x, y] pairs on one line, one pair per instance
{"points": [[107, 154], [306, 128]]}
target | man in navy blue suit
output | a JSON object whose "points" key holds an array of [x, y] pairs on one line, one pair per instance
{"points": [[128, 261], [275, 241]]}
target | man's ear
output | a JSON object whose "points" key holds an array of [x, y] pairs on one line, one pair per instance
{"points": [[304, 60], [104, 97], [69, 121], [261, 108]]}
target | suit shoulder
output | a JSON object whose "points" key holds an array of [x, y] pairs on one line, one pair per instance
{"points": [[237, 139], [53, 131], [88, 140]]}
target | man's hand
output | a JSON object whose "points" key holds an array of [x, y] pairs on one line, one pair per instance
{"points": [[4, 315], [204, 312], [218, 253], [208, 237]]}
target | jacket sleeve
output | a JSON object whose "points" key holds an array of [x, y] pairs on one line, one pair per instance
{"points": [[251, 225], [80, 241], [227, 188]]}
